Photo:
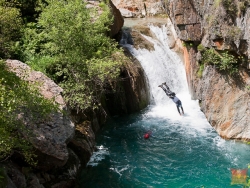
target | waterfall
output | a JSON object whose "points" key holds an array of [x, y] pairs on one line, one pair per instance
{"points": [[183, 151], [165, 65], [161, 65]]}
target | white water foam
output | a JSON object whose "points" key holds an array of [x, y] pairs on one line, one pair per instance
{"points": [[119, 169], [98, 156], [165, 65]]}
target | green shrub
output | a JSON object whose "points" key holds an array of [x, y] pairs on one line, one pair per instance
{"points": [[201, 48], [70, 44], [11, 24], [223, 60]]}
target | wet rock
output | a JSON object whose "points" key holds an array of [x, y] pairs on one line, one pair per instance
{"points": [[83, 143]]}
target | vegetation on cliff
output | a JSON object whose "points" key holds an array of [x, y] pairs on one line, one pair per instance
{"points": [[65, 40], [222, 60], [71, 45], [17, 97]]}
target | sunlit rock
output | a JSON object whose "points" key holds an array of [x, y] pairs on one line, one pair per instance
{"points": [[51, 135]]}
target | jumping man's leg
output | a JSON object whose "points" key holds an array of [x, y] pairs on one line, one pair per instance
{"points": [[182, 110], [166, 85], [178, 110]]}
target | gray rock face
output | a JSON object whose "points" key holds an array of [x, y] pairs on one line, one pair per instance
{"points": [[186, 20], [50, 136], [224, 99], [225, 103]]}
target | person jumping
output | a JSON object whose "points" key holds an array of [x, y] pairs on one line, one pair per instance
{"points": [[172, 96]]}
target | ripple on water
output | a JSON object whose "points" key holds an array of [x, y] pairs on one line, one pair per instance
{"points": [[171, 157]]}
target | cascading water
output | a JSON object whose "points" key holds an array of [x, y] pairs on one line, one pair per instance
{"points": [[183, 151]]}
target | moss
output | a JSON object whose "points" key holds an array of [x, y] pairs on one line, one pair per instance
{"points": [[201, 48], [200, 71], [145, 30], [141, 42]]}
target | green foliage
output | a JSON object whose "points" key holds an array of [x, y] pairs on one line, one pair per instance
{"points": [[29, 9], [102, 5], [16, 96], [230, 7], [223, 60], [201, 48], [187, 44], [70, 43], [11, 23]]}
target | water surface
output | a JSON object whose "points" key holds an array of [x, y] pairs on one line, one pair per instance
{"points": [[182, 152]]}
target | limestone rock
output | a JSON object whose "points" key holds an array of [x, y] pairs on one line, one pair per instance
{"points": [[49, 136], [186, 20], [224, 99], [117, 17], [226, 103], [139, 8]]}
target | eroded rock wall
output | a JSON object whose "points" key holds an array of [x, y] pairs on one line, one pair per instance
{"points": [[131, 92], [139, 8], [223, 26]]}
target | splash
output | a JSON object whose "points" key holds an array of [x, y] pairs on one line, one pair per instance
{"points": [[98, 156], [165, 65]]}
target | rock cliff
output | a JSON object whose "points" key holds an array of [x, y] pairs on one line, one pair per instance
{"points": [[49, 136], [139, 8], [224, 27], [64, 142]]}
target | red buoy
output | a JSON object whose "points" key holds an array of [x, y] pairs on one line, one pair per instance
{"points": [[146, 136]]}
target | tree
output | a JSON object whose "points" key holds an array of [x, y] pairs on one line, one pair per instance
{"points": [[83, 56], [10, 26]]}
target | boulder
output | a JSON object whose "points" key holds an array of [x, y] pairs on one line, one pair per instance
{"points": [[115, 28], [49, 136]]}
